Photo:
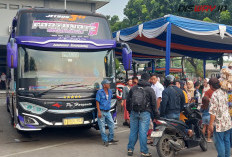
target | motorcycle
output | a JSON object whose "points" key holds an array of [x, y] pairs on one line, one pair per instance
{"points": [[171, 136]]}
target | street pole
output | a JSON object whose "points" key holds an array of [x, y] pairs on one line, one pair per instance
{"points": [[65, 4]]}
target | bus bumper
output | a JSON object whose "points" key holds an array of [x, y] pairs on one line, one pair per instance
{"points": [[31, 122]]}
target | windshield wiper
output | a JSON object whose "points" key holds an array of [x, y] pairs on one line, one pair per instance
{"points": [[82, 85], [56, 86]]}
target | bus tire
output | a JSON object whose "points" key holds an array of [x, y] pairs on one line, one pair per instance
{"points": [[12, 114], [24, 133], [7, 104]]}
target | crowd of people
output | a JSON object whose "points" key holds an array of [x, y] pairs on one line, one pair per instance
{"points": [[147, 99]]}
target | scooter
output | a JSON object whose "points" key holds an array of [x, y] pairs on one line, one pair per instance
{"points": [[171, 136]]}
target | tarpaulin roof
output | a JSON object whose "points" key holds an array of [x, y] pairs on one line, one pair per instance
{"points": [[193, 38]]}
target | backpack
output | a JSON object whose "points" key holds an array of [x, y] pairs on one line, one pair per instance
{"points": [[139, 101]]}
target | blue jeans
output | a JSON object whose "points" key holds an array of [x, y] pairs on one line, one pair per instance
{"points": [[139, 125], [230, 138], [222, 143], [175, 116], [106, 119]]}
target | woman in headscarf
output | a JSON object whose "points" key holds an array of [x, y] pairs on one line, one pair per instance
{"points": [[190, 91], [183, 86]]}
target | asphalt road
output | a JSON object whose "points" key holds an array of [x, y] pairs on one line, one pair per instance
{"points": [[72, 142]]}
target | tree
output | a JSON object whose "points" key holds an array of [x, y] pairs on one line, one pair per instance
{"points": [[194, 66], [207, 19], [225, 17], [139, 11], [115, 24]]}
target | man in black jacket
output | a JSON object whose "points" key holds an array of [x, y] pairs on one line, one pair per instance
{"points": [[141, 104], [173, 99]]}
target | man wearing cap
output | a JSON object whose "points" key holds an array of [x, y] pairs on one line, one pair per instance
{"points": [[103, 103]]}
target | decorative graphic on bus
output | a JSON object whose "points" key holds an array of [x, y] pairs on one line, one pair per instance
{"points": [[66, 27], [67, 17], [57, 105]]}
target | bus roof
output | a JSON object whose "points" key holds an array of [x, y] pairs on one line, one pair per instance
{"points": [[61, 11]]}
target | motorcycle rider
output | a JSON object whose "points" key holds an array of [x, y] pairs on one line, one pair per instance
{"points": [[173, 99]]}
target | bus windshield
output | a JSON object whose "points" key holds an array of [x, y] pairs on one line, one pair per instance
{"points": [[63, 25], [41, 69]]}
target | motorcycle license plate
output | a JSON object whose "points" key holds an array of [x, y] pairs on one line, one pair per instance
{"points": [[156, 133]]}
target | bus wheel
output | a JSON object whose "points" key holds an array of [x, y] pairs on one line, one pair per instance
{"points": [[12, 120], [12, 116], [7, 104], [24, 133], [87, 127]]}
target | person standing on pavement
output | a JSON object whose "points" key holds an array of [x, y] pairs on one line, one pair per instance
{"points": [[157, 87], [220, 121], [141, 103], [190, 91], [206, 86], [103, 103], [3, 81], [197, 94], [206, 117], [173, 99], [182, 85], [135, 80], [125, 93]]}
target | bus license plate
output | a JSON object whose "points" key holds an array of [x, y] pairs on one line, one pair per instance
{"points": [[73, 121], [156, 133]]}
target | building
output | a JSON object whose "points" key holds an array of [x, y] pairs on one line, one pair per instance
{"points": [[213, 71], [9, 8]]}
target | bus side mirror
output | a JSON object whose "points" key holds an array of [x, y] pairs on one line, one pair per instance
{"points": [[14, 22], [127, 59], [106, 65], [12, 54]]}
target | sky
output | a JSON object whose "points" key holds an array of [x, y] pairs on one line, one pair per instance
{"points": [[115, 7]]}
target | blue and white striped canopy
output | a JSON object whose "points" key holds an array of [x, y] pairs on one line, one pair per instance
{"points": [[193, 38]]}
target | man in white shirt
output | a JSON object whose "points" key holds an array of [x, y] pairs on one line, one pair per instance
{"points": [[157, 87]]}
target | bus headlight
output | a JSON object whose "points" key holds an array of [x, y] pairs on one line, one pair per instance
{"points": [[36, 109]]}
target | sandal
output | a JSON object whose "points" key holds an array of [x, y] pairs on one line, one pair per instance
{"points": [[149, 142]]}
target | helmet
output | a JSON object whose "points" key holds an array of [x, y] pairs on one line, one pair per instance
{"points": [[169, 79]]}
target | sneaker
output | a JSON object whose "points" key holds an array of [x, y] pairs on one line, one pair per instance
{"points": [[130, 152], [113, 141], [106, 144], [146, 155], [210, 141], [125, 124]]}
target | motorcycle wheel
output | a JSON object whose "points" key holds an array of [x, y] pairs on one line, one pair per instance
{"points": [[203, 144], [163, 147]]}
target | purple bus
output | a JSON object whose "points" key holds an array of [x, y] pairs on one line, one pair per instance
{"points": [[56, 62]]}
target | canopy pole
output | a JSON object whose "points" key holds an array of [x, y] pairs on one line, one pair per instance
{"points": [[168, 49], [153, 65], [204, 68], [65, 6], [134, 69], [126, 75]]}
